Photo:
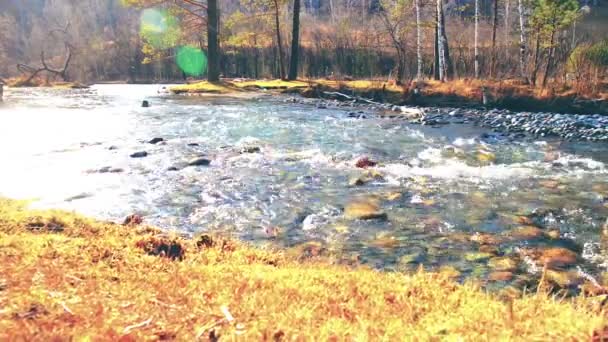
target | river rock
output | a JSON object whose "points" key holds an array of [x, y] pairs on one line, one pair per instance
{"points": [[526, 233], [365, 162], [155, 141], [503, 264], [367, 177], [199, 161], [363, 210], [549, 184], [563, 279], [141, 154], [145, 104], [485, 157], [500, 276], [477, 256], [250, 149], [558, 257], [485, 239]]}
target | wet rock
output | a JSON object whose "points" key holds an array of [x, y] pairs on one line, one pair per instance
{"points": [[500, 276], [392, 196], [485, 157], [503, 264], [485, 239], [526, 233], [364, 210], [145, 104], [489, 249], [558, 257], [251, 149], [384, 240], [367, 177], [173, 168], [553, 234], [365, 162], [199, 161], [477, 256], [155, 141], [549, 184], [141, 154], [563, 279], [193, 145], [113, 148]]}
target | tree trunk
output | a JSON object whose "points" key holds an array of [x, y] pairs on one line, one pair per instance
{"points": [[418, 41], [550, 59], [279, 40], [476, 44], [295, 42], [536, 58], [444, 53], [494, 27], [507, 23], [436, 59], [522, 40], [213, 73]]}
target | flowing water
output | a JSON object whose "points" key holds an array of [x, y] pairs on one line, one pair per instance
{"points": [[455, 198]]}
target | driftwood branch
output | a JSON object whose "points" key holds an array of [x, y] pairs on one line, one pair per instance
{"points": [[63, 72]]}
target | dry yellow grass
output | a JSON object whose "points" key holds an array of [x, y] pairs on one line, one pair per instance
{"points": [[65, 277]]}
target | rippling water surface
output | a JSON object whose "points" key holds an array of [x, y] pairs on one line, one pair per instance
{"points": [[454, 197]]}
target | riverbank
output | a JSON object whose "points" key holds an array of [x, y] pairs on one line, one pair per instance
{"points": [[66, 276], [508, 94]]}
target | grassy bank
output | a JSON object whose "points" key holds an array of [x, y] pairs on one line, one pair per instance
{"points": [[508, 94], [64, 276]]}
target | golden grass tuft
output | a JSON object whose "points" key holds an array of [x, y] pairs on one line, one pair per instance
{"points": [[66, 277]]}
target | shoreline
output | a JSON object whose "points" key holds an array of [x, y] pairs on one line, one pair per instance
{"points": [[71, 276]]}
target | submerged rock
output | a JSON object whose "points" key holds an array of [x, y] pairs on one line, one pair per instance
{"points": [[199, 161], [485, 157], [563, 279], [364, 210], [503, 264], [367, 177], [500, 276], [558, 257], [526, 233]]}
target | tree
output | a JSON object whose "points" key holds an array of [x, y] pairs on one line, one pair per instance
{"points": [[295, 42], [443, 52], [394, 20], [279, 39], [418, 41], [476, 38], [494, 28], [213, 72], [522, 40], [548, 17]]}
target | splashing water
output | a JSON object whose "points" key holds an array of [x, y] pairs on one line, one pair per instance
{"points": [[281, 173]]}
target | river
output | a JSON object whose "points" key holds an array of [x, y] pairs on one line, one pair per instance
{"points": [[282, 173]]}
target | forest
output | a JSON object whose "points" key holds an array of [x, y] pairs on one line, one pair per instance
{"points": [[541, 42]]}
